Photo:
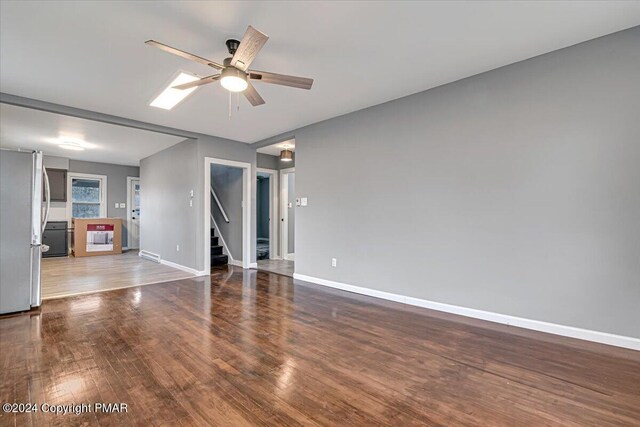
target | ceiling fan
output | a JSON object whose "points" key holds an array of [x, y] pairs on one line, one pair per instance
{"points": [[235, 75]]}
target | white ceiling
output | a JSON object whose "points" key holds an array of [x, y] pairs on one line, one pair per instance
{"points": [[92, 55], [275, 149], [35, 130]]}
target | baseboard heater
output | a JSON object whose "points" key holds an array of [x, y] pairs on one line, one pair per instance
{"points": [[149, 255]]}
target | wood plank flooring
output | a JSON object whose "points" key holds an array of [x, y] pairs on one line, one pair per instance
{"points": [[254, 348], [280, 266], [72, 276]]}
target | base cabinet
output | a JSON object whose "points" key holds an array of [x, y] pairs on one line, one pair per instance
{"points": [[55, 236]]}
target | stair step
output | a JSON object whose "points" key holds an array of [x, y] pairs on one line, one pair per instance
{"points": [[219, 260], [216, 250], [214, 241]]}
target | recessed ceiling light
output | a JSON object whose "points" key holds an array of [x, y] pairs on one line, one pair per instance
{"points": [[171, 97], [68, 141], [71, 147]]}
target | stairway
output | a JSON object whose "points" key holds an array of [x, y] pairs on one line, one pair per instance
{"points": [[217, 257]]}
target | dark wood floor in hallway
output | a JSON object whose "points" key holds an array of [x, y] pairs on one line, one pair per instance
{"points": [[252, 348]]}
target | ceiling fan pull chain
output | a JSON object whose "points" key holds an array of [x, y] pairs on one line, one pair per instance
{"points": [[229, 105], [237, 101]]}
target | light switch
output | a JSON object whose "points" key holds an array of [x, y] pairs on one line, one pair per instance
{"points": [[298, 202], [303, 201], [117, 204], [123, 205]]}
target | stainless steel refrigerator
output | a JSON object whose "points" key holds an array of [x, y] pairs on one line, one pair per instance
{"points": [[22, 219]]}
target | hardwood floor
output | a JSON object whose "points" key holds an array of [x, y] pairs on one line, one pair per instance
{"points": [[72, 276], [253, 348], [279, 266]]}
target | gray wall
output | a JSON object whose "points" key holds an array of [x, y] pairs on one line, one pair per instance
{"points": [[516, 191], [267, 161], [227, 183], [166, 179], [116, 186]]}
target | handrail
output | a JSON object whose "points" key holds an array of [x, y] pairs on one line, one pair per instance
{"points": [[224, 244], [224, 214]]}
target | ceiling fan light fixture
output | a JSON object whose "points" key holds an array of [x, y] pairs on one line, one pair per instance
{"points": [[233, 80], [286, 155]]}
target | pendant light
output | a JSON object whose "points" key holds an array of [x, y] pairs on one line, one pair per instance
{"points": [[286, 155]]}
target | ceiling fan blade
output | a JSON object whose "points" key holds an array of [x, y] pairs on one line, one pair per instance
{"points": [[281, 79], [202, 81], [184, 54], [252, 95], [251, 43]]}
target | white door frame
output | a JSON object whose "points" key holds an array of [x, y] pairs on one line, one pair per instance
{"points": [[274, 218], [246, 210], [284, 209], [130, 179]]}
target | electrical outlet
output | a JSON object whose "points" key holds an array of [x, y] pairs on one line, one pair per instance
{"points": [[177, 248], [334, 262]]}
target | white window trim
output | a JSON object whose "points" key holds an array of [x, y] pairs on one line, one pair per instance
{"points": [[103, 192]]}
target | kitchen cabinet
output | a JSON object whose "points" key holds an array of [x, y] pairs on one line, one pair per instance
{"points": [[55, 236], [57, 184]]}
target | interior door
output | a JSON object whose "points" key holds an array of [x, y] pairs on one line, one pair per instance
{"points": [[133, 235]]}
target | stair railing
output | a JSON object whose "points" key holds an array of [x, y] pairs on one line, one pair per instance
{"points": [[215, 197]]}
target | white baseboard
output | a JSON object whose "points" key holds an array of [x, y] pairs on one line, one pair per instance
{"points": [[237, 263], [536, 325], [183, 268], [253, 265], [290, 257]]}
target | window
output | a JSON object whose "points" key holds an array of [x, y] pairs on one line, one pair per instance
{"points": [[88, 198]]}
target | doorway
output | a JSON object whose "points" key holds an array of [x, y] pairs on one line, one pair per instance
{"points": [[215, 205], [266, 214], [133, 212], [284, 227]]}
